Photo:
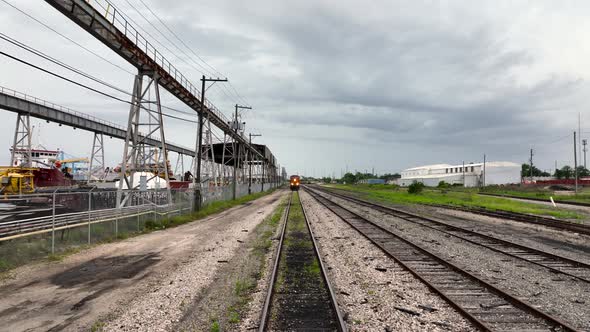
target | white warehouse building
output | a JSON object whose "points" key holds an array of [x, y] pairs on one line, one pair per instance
{"points": [[470, 175]]}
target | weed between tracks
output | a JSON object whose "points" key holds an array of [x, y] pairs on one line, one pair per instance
{"points": [[465, 198]]}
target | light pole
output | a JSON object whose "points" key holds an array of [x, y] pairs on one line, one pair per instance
{"points": [[250, 160]]}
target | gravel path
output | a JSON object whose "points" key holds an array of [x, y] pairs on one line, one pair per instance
{"points": [[534, 284], [141, 284], [371, 288]]}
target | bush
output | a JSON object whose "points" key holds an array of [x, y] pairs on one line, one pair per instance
{"points": [[416, 187], [443, 184]]}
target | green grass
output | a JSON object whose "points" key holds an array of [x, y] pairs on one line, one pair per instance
{"points": [[97, 326], [313, 268], [215, 326], [457, 198]]}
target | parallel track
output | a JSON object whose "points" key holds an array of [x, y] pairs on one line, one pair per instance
{"points": [[559, 224], [563, 225], [303, 307], [486, 306], [576, 269], [574, 203]]}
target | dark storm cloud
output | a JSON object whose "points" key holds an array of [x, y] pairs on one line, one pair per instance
{"points": [[425, 74]]}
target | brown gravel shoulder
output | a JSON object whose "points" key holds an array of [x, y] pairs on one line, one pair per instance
{"points": [[139, 284]]}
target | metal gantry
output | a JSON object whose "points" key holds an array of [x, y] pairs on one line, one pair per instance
{"points": [[22, 140], [109, 26], [97, 165], [138, 156]]}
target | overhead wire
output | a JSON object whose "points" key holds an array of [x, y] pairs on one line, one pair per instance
{"points": [[86, 86], [214, 71], [66, 37], [75, 70]]}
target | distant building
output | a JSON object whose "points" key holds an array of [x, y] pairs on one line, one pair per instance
{"points": [[372, 181], [496, 172]]}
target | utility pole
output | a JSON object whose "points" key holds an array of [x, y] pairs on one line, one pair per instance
{"points": [[199, 156], [463, 169], [575, 163], [584, 143], [235, 157], [484, 171], [580, 134], [250, 160], [531, 165]]}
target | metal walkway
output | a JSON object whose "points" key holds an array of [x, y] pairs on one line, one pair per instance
{"points": [[112, 29], [17, 102]]}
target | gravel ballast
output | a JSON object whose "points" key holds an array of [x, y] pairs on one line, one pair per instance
{"points": [[373, 291], [536, 285]]}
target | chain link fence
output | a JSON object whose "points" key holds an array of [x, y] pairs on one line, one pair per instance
{"points": [[50, 224]]}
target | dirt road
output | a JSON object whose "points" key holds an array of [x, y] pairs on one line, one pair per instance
{"points": [[143, 283]]}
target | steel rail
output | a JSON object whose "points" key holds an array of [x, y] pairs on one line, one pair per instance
{"points": [[551, 261], [264, 319], [334, 302], [559, 224], [438, 268], [273, 277]]}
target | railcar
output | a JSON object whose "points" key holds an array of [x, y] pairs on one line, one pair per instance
{"points": [[294, 182]]}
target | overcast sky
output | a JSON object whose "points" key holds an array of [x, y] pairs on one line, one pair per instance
{"points": [[339, 85]]}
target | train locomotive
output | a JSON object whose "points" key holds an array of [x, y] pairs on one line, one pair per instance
{"points": [[294, 182]]}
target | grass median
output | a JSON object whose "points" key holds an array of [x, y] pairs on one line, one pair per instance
{"points": [[394, 194]]}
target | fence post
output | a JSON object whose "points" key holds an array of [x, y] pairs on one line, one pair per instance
{"points": [[89, 209], [137, 210], [53, 224]]}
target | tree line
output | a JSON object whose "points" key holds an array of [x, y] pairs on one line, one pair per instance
{"points": [[351, 178], [566, 172]]}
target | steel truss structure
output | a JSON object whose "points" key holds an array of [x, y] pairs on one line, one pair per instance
{"points": [[102, 20], [22, 140], [138, 156], [97, 165]]}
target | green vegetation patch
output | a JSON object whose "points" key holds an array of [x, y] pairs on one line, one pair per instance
{"points": [[467, 198]]}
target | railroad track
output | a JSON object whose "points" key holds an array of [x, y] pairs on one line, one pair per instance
{"points": [[525, 218], [486, 306], [575, 269], [300, 297], [536, 199], [559, 224]]}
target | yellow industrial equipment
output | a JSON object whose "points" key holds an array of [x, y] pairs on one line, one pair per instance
{"points": [[16, 180]]}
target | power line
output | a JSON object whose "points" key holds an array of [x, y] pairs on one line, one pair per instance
{"points": [[58, 62], [86, 86], [65, 37], [73, 69], [215, 71]]}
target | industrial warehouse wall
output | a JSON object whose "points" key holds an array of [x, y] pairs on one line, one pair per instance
{"points": [[502, 175], [56, 223]]}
